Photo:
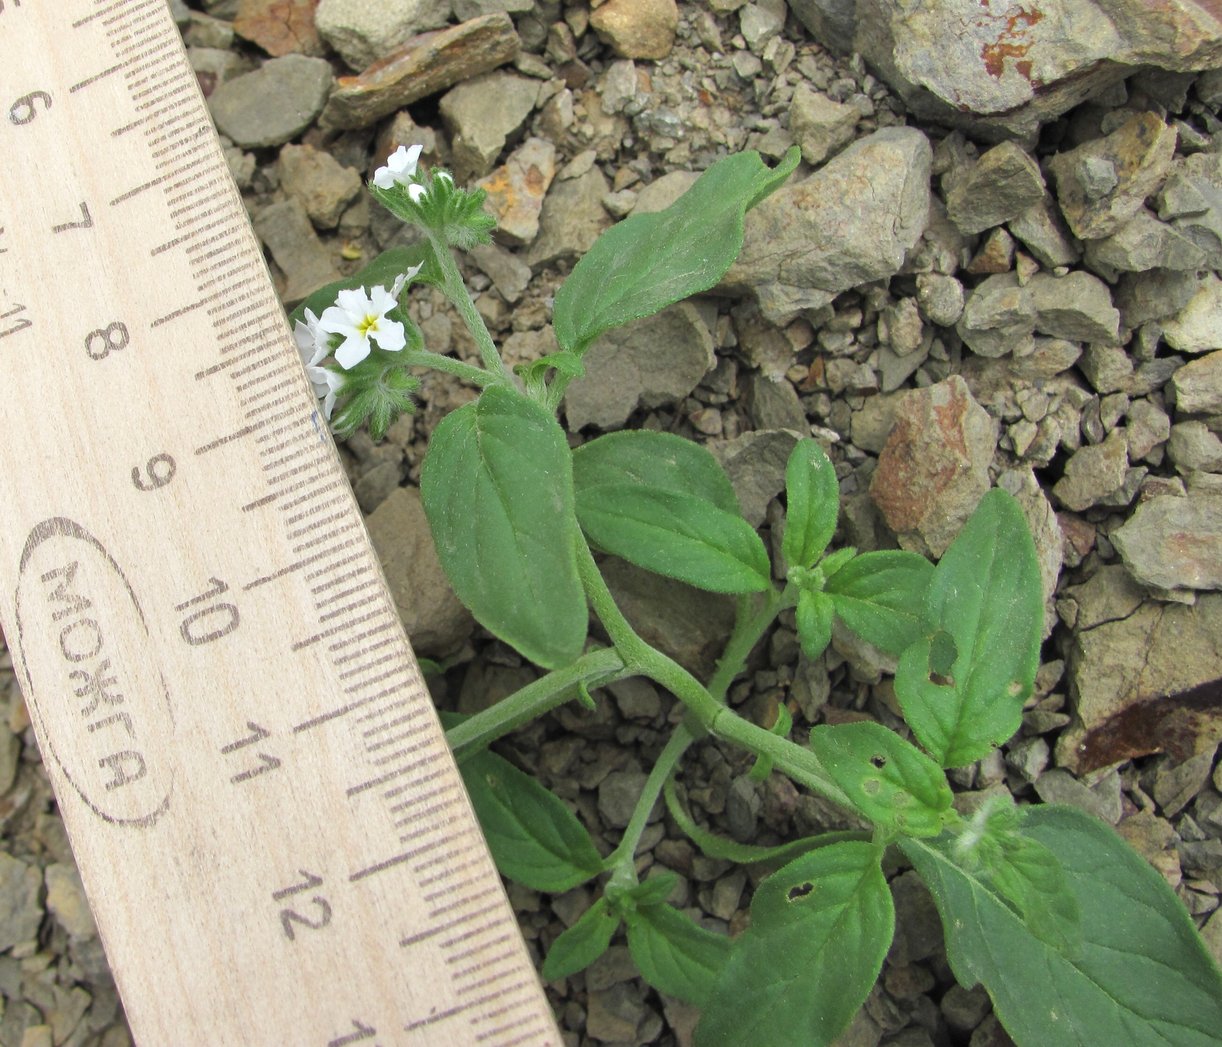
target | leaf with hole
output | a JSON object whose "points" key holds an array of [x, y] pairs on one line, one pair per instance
{"points": [[820, 928], [649, 261], [891, 782], [1139, 974], [986, 594], [535, 840], [498, 492]]}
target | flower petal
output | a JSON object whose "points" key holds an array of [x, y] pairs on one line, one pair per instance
{"points": [[389, 335], [355, 348]]}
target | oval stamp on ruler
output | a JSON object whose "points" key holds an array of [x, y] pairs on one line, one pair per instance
{"points": [[88, 657]]}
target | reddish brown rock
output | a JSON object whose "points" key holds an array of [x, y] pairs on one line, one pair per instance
{"points": [[516, 190], [426, 64], [280, 27], [933, 470]]}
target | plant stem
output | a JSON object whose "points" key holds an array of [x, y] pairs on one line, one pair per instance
{"points": [[547, 692], [620, 861], [799, 763], [749, 626], [455, 290], [467, 372]]}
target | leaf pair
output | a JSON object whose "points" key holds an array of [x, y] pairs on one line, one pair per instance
{"points": [[877, 595], [673, 953]]}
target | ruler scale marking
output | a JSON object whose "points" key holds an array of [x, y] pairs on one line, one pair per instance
{"points": [[174, 536]]}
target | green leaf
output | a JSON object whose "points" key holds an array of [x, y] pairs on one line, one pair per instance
{"points": [[382, 270], [674, 534], [1141, 974], [659, 461], [453, 214], [653, 891], [745, 853], [881, 597], [814, 615], [497, 489], [986, 594], [674, 954], [893, 784], [534, 838], [647, 262], [820, 928], [583, 943], [812, 503]]}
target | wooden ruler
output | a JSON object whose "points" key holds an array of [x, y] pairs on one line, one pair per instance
{"points": [[270, 828]]}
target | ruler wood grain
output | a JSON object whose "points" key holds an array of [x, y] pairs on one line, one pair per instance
{"points": [[270, 828]]}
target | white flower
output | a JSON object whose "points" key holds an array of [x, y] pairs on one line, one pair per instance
{"points": [[415, 193], [360, 318], [332, 382], [402, 280], [311, 343], [400, 168]]}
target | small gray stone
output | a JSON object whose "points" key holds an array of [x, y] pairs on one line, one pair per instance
{"points": [[323, 186], [624, 368], [508, 273], [1143, 243], [755, 463], [1107, 367], [1042, 231], [1174, 543], [613, 1015], [1176, 785], [761, 21], [436, 621], [286, 230], [362, 31], [572, 218], [1197, 327], [1138, 153], [1077, 306], [1197, 386], [617, 796], [774, 404], [20, 901], [664, 191], [1093, 472], [482, 115], [1192, 200], [1194, 446], [1149, 427], [66, 900], [1153, 295], [743, 806], [1102, 800], [1003, 184], [998, 318], [274, 104], [819, 125], [940, 298]]}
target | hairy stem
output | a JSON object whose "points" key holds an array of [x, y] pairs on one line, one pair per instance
{"points": [[620, 861], [456, 291], [547, 692], [467, 372]]}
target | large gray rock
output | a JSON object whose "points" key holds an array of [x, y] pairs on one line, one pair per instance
{"points": [[286, 231], [1174, 543], [998, 318], [650, 362], [363, 31], [1142, 243], [1076, 306], [1197, 327], [273, 104], [482, 115], [1191, 199], [1197, 386], [1003, 69], [852, 221], [571, 219], [1093, 472]]}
